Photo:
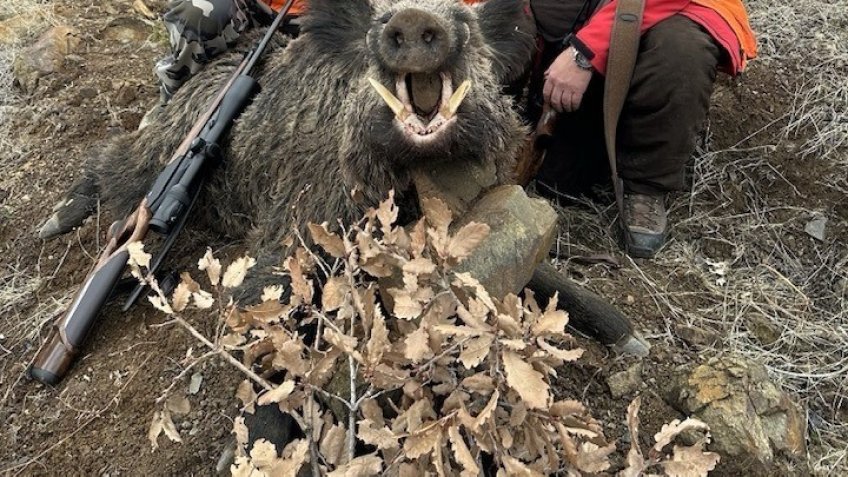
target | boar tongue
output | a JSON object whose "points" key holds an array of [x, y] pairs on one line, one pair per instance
{"points": [[426, 91]]}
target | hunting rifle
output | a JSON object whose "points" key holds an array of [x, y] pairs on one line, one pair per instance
{"points": [[163, 210]]}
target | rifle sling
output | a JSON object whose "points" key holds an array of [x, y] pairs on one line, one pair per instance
{"points": [[624, 46]]}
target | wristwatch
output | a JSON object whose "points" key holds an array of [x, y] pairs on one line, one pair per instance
{"points": [[581, 61]]}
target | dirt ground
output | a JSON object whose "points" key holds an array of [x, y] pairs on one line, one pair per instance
{"points": [[739, 265]]}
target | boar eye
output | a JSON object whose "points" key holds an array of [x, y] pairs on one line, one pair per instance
{"points": [[385, 18]]}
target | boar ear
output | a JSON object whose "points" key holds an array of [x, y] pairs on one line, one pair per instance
{"points": [[509, 30], [338, 27]]}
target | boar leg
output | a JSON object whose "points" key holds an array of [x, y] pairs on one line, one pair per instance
{"points": [[79, 203], [588, 313]]}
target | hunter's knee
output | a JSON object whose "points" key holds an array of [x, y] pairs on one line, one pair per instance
{"points": [[678, 51], [201, 20]]}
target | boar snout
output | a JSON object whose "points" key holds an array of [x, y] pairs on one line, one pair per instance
{"points": [[414, 41]]}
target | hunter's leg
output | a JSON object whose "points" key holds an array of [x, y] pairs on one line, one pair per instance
{"points": [[198, 32], [667, 105], [575, 159]]}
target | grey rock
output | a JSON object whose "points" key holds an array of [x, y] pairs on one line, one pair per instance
{"points": [[696, 336], [178, 405], [45, 57], [750, 418], [521, 228], [457, 184], [127, 30], [194, 385], [762, 328], [521, 233], [816, 228], [625, 382]]}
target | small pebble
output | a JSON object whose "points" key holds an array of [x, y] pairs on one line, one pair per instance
{"points": [[194, 385]]}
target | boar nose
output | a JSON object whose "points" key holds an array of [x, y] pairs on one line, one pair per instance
{"points": [[414, 41]]}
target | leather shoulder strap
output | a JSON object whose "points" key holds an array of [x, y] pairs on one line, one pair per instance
{"points": [[624, 46]]}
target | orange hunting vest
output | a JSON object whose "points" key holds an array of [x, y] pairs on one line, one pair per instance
{"points": [[297, 8], [733, 12]]}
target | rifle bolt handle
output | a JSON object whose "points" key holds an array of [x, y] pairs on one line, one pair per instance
{"points": [[197, 145]]}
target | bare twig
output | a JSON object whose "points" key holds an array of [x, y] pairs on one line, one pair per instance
{"points": [[183, 374], [217, 349]]}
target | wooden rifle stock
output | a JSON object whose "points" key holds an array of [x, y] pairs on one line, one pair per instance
{"points": [[68, 333], [533, 154]]}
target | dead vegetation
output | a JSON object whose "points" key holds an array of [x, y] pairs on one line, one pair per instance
{"points": [[398, 352], [20, 22], [806, 39]]}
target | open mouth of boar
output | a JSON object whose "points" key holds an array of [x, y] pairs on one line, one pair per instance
{"points": [[424, 104]]}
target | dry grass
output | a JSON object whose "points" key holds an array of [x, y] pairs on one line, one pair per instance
{"points": [[779, 276], [810, 36], [739, 274], [20, 22]]}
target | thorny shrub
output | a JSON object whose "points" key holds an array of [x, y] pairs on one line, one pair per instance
{"points": [[396, 364]]}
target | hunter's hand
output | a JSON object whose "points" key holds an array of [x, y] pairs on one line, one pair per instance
{"points": [[565, 83]]}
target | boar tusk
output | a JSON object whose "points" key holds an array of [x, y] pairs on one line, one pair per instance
{"points": [[456, 99], [391, 100]]}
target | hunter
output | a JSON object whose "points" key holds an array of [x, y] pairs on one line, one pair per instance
{"points": [[683, 44]]}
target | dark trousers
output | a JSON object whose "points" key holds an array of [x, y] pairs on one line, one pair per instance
{"points": [[666, 107]]}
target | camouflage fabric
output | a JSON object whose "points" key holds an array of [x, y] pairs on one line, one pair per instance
{"points": [[198, 30]]}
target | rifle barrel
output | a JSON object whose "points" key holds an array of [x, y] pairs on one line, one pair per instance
{"points": [[268, 34]]}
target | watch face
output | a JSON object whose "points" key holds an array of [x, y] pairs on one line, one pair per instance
{"points": [[582, 61]]}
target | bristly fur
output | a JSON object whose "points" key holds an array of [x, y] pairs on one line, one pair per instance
{"points": [[317, 130], [510, 33]]}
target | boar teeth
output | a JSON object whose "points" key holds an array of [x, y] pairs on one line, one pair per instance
{"points": [[456, 99], [391, 100]]}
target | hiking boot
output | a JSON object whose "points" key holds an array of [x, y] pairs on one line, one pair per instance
{"points": [[644, 225]]}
